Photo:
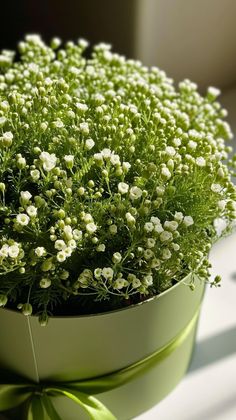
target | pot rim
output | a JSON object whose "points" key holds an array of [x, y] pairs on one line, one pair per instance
{"points": [[107, 313]]}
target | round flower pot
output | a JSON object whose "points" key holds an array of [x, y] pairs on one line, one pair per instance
{"points": [[72, 348]]}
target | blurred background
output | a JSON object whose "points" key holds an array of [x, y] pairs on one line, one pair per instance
{"points": [[186, 38]]}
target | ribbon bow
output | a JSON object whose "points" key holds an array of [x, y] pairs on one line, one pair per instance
{"points": [[38, 397]]}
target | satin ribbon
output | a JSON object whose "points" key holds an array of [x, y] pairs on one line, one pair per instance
{"points": [[38, 396]]}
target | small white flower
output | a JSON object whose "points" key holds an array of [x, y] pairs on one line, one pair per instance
{"points": [[68, 234], [22, 219], [61, 256], [82, 108], [115, 159], [155, 220], [135, 193], [126, 166], [58, 123], [60, 244], [200, 161], [148, 280], [136, 283], [175, 246], [151, 243], [155, 263], [213, 92], [116, 258], [25, 196], [97, 273], [170, 151], [67, 251], [32, 211], [35, 174], [40, 251], [45, 283], [69, 159], [71, 244], [166, 236], [123, 188], [221, 204], [192, 144], [158, 228], [188, 220], [178, 216], [87, 218], [91, 227], [160, 191], [13, 250], [166, 174], [84, 128], [106, 153], [130, 219], [7, 138], [101, 248], [171, 225], [4, 251], [77, 234], [120, 283], [89, 144], [148, 227], [108, 273], [166, 254], [148, 254], [48, 160], [113, 229], [216, 188], [98, 157]]}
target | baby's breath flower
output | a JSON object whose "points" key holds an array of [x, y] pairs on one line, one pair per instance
{"points": [[135, 193], [123, 188], [35, 174], [216, 188], [48, 160], [69, 160], [45, 283], [32, 211], [89, 144], [13, 250], [101, 248], [108, 273], [22, 219], [144, 201], [116, 258], [91, 227], [61, 256], [25, 196], [113, 229], [148, 227], [40, 251], [188, 220], [59, 244]]}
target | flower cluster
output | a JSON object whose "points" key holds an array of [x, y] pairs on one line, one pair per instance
{"points": [[110, 178]]}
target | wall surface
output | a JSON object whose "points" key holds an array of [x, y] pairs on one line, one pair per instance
{"points": [[189, 38]]}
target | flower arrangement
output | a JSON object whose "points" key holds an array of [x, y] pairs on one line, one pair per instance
{"points": [[111, 179]]}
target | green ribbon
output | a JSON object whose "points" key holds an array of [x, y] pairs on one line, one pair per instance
{"points": [[38, 396]]}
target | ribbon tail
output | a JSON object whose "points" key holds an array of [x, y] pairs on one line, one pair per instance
{"points": [[13, 395], [49, 408], [95, 409], [35, 409]]}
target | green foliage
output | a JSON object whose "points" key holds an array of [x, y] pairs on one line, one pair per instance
{"points": [[111, 180]]}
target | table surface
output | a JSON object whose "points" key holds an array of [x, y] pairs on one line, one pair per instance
{"points": [[208, 391]]}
